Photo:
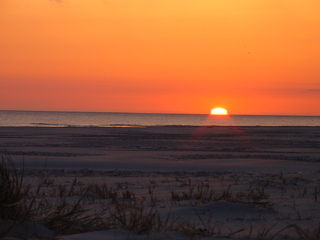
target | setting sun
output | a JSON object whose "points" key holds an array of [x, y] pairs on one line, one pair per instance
{"points": [[219, 111]]}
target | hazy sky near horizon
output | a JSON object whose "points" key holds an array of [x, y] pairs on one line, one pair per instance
{"points": [[182, 56]]}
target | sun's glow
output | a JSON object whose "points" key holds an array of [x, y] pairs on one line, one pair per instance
{"points": [[219, 111]]}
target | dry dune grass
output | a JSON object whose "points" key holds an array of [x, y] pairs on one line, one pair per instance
{"points": [[65, 209]]}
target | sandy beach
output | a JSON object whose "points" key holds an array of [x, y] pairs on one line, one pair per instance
{"points": [[154, 183], [165, 148]]}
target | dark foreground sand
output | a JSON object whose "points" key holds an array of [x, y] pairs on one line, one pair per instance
{"points": [[165, 148], [185, 183]]}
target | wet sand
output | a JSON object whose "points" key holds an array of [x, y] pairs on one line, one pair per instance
{"points": [[165, 148]]}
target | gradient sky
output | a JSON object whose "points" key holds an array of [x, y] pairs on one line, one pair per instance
{"points": [[174, 56]]}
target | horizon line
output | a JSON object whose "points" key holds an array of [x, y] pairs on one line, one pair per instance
{"points": [[76, 111]]}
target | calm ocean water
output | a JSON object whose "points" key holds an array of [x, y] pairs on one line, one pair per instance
{"points": [[63, 119]]}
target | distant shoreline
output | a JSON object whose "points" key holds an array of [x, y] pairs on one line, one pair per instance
{"points": [[44, 126]]}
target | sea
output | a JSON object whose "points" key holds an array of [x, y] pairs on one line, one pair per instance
{"points": [[112, 119]]}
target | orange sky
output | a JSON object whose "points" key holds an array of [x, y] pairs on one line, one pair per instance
{"points": [[182, 56]]}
